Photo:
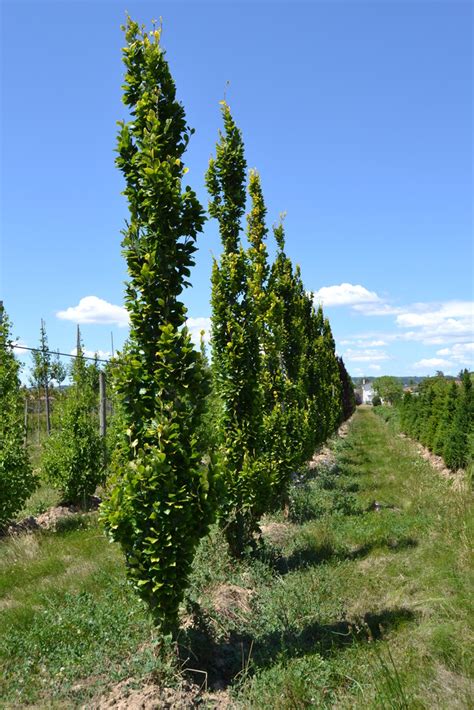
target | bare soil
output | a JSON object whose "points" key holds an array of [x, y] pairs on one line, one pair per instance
{"points": [[150, 696], [50, 519]]}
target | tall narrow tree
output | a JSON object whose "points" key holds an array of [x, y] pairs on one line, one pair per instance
{"points": [[41, 373], [161, 497], [236, 360]]}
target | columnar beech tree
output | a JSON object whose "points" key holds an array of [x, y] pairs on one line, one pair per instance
{"points": [[446, 419], [17, 480], [236, 358], [161, 500], [288, 301], [348, 403]]}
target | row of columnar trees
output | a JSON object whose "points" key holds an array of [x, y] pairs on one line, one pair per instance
{"points": [[277, 384], [278, 389], [441, 417]]}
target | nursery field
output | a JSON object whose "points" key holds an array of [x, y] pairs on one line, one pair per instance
{"points": [[360, 597]]}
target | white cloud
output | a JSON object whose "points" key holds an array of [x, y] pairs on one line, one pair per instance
{"points": [[18, 350], [367, 355], [376, 309], [345, 294], [432, 362], [439, 323], [101, 354], [196, 325], [374, 367], [441, 320], [462, 353], [361, 343], [92, 309]]}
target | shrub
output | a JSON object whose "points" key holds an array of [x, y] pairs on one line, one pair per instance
{"points": [[17, 481], [72, 459]]}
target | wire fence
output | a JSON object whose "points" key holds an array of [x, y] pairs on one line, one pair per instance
{"points": [[43, 400]]}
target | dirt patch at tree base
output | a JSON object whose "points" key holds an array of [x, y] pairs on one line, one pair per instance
{"points": [[457, 478], [232, 601], [188, 695], [52, 518], [276, 533]]}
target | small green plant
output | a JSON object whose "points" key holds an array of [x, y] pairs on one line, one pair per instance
{"points": [[390, 687], [17, 480], [306, 502]]}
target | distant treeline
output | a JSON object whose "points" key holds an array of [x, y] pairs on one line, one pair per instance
{"points": [[405, 381]]}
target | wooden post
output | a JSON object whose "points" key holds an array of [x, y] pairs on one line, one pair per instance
{"points": [[48, 414], [46, 381], [102, 404], [26, 419], [38, 409]]}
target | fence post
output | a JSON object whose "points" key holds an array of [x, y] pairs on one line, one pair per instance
{"points": [[102, 404], [48, 411], [26, 419], [38, 410]]}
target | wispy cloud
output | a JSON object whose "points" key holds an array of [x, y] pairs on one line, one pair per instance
{"points": [[92, 309], [18, 350], [101, 354], [438, 323], [377, 309], [430, 363], [367, 355], [461, 353], [361, 343]]}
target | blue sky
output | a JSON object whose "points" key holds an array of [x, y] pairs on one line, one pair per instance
{"points": [[358, 115]]}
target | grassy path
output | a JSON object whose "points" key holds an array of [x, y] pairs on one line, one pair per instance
{"points": [[361, 599]]}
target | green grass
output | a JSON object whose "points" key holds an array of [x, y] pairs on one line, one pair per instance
{"points": [[361, 601]]}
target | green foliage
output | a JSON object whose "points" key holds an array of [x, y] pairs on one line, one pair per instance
{"points": [[274, 361], [348, 402], [388, 388], [73, 457], [306, 623], [458, 451], [286, 366], [161, 495], [441, 417], [445, 418], [46, 369], [236, 358], [17, 480]]}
